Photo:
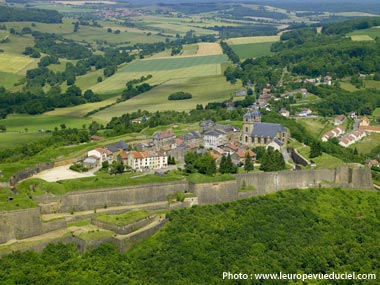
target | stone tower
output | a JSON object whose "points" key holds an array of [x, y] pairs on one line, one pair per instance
{"points": [[249, 120]]}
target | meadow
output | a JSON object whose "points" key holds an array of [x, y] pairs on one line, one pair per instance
{"points": [[12, 139], [203, 89], [316, 126], [13, 64]]}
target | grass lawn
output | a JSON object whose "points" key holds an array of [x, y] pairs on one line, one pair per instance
{"points": [[323, 161], [316, 126], [20, 201], [125, 218], [18, 122], [203, 89], [101, 180], [367, 143]]}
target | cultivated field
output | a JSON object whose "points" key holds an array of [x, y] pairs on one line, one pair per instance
{"points": [[77, 112], [209, 49], [361, 38], [251, 40], [204, 89], [163, 70], [252, 50]]}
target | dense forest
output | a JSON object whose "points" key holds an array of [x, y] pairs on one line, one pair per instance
{"points": [[13, 14], [295, 231]]}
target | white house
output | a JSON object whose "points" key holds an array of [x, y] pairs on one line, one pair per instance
{"points": [[215, 138], [102, 154], [147, 160], [333, 133]]}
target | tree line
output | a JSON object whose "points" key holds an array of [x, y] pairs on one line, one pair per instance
{"points": [[15, 14]]}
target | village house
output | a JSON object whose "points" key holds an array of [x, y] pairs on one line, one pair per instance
{"points": [[284, 112], [352, 138], [164, 140], [206, 126], [303, 91], [339, 120], [372, 162], [276, 144], [305, 112], [239, 157], [255, 133], [91, 162], [264, 99], [214, 138], [101, 154], [364, 126], [333, 133], [147, 160]]}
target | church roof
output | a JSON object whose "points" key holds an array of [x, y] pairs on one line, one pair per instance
{"points": [[267, 129]]}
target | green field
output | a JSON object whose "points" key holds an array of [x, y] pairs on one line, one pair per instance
{"points": [[12, 139], [252, 50], [162, 70], [33, 123], [371, 32], [172, 63], [203, 89]]}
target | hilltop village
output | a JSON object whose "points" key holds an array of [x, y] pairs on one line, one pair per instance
{"points": [[217, 139]]}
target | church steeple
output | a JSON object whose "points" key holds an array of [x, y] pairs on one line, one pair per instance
{"points": [[249, 120]]}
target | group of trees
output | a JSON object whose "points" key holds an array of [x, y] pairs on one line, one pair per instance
{"points": [[201, 163], [180, 95], [227, 166], [27, 102], [229, 52], [132, 91], [272, 160]]}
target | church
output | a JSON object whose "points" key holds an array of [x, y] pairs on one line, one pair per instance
{"points": [[255, 133]]}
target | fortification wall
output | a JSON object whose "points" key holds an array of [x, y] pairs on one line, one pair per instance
{"points": [[28, 172], [123, 196], [212, 193], [20, 224]]}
